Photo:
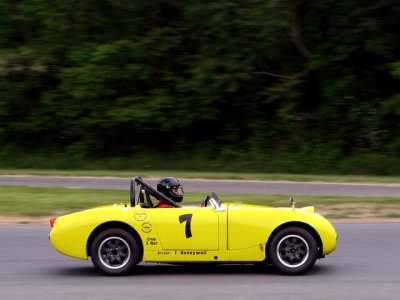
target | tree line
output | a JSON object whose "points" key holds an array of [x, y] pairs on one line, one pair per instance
{"points": [[287, 85]]}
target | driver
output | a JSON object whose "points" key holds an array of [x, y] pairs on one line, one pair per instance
{"points": [[172, 188]]}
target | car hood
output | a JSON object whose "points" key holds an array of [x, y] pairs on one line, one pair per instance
{"points": [[309, 209]]}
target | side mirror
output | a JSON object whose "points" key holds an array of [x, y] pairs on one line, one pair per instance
{"points": [[292, 203]]}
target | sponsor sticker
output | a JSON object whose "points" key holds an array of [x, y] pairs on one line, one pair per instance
{"points": [[146, 227], [140, 215]]}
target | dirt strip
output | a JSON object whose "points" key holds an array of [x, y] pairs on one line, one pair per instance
{"points": [[4, 220]]}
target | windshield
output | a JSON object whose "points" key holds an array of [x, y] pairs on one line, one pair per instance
{"points": [[215, 201]]}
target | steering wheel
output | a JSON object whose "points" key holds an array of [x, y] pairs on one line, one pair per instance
{"points": [[205, 202]]}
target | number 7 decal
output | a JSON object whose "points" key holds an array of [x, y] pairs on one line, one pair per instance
{"points": [[188, 219]]}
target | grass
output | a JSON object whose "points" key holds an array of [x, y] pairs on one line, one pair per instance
{"points": [[206, 175], [32, 201], [392, 215], [38, 201]]}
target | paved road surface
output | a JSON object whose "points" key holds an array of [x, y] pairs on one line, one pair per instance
{"points": [[219, 186], [365, 266]]}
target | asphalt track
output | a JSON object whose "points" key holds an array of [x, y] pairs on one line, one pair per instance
{"points": [[218, 186], [364, 266]]}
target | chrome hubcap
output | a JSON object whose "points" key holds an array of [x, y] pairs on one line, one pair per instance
{"points": [[114, 252], [293, 251]]}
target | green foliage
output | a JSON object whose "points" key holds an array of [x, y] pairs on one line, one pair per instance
{"points": [[287, 85]]}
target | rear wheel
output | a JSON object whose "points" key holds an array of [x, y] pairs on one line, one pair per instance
{"points": [[293, 250], [114, 252]]}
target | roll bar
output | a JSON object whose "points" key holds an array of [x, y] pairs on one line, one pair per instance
{"points": [[138, 187]]}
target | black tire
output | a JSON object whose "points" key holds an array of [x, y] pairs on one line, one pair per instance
{"points": [[114, 252], [293, 251]]}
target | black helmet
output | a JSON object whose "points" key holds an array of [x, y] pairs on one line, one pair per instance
{"points": [[171, 187]]}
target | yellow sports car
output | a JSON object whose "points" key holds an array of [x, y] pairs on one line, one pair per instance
{"points": [[119, 236]]}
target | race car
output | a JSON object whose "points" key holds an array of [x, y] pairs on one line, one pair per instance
{"points": [[117, 237]]}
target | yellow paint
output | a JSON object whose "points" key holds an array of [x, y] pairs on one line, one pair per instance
{"points": [[235, 233]]}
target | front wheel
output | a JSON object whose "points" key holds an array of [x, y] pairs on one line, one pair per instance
{"points": [[114, 252], [293, 251]]}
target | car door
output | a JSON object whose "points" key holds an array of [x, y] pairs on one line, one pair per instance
{"points": [[190, 228]]}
